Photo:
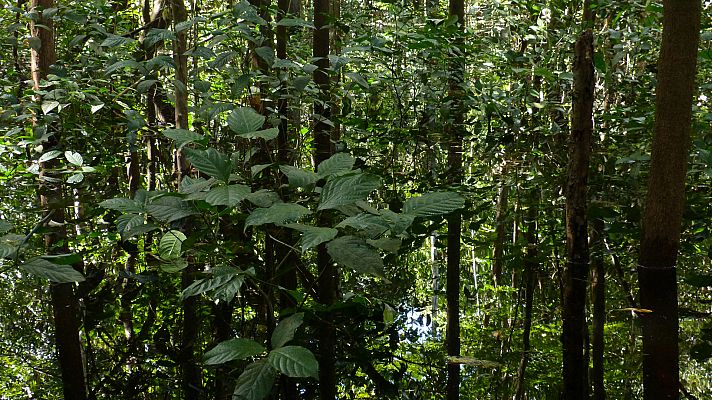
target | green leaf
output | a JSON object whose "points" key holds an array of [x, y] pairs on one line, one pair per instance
{"points": [[255, 382], [229, 196], [48, 106], [168, 209], [138, 230], [173, 265], [294, 361], [145, 85], [338, 163], [398, 222], [347, 189], [353, 252], [182, 136], [74, 158], [279, 213], [313, 236], [266, 53], [156, 35], [5, 226], [50, 155], [245, 120], [299, 177], [390, 245], [123, 205], [433, 204], [211, 162], [126, 222], [356, 77], [194, 185], [131, 64], [284, 332], [263, 198], [266, 134], [114, 40], [372, 225], [53, 272], [294, 22], [205, 285], [233, 349], [171, 244]]}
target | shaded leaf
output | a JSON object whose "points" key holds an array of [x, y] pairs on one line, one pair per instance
{"points": [[245, 120], [171, 244], [294, 361], [54, 272], [279, 213], [284, 332], [338, 163], [299, 177], [255, 382], [210, 162], [347, 189], [123, 205], [233, 349], [353, 252], [433, 204], [229, 196], [313, 236], [182, 136], [266, 134], [169, 209]]}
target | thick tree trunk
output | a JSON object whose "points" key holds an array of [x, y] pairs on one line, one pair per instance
{"points": [[598, 291], [575, 274], [454, 222], [664, 205], [65, 307]]}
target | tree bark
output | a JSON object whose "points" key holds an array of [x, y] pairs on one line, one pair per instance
{"points": [[598, 291], [530, 266], [65, 307], [454, 222], [328, 281], [575, 275], [657, 275]]}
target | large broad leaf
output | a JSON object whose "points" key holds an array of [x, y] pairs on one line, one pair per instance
{"points": [[190, 185], [263, 198], [245, 120], [130, 225], [372, 225], [433, 204], [227, 195], [255, 382], [280, 213], [171, 244], [53, 272], [210, 162], [294, 361], [204, 285], [266, 134], [398, 223], [168, 209], [299, 177], [338, 163], [284, 332], [347, 189], [390, 245], [5, 226], [182, 136], [313, 236], [229, 290], [123, 205], [9, 244], [233, 349], [353, 252]]}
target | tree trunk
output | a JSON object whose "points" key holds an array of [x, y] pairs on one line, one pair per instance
{"points": [[575, 273], [598, 291], [191, 381], [664, 205], [530, 266], [328, 280], [454, 222], [65, 306]]}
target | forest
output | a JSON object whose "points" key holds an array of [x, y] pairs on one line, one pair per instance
{"points": [[355, 199]]}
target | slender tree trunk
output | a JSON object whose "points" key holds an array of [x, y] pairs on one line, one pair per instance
{"points": [[575, 274], [664, 205], [328, 280], [500, 231], [530, 266], [454, 222], [598, 291], [65, 307], [191, 381]]}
